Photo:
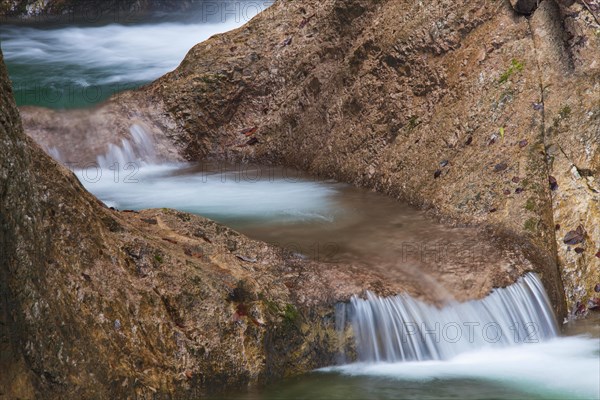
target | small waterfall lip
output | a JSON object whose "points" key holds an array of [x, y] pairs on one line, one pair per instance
{"points": [[139, 150], [400, 328]]}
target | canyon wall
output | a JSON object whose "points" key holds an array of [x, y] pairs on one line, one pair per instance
{"points": [[469, 109]]}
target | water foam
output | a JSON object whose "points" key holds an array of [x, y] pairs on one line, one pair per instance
{"points": [[139, 150], [401, 328], [509, 337]]}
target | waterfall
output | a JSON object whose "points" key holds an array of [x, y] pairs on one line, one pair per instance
{"points": [[138, 150], [400, 328]]}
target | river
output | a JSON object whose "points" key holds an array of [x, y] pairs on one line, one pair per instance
{"points": [[78, 66]]}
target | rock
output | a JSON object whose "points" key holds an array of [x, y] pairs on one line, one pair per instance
{"points": [[300, 126], [524, 6], [361, 57], [131, 305]]}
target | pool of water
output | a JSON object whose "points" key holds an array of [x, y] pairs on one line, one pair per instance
{"points": [[564, 368], [334, 222], [319, 218]]}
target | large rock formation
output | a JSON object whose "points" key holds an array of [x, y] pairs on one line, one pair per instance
{"points": [[462, 107], [98, 304], [465, 108]]}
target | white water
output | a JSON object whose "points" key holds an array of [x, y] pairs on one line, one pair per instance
{"points": [[509, 337], [79, 66], [404, 329], [107, 54], [560, 368], [251, 194], [139, 150]]}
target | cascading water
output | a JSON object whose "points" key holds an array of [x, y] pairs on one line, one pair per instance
{"points": [[138, 150], [401, 328]]}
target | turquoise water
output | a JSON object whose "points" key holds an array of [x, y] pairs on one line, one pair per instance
{"points": [[70, 66]]}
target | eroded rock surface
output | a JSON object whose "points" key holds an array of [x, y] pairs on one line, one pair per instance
{"points": [[453, 106], [462, 107], [97, 303]]}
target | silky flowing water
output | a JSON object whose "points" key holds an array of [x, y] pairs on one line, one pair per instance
{"points": [[405, 348]]}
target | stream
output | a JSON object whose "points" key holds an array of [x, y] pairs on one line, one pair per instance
{"points": [[79, 66]]}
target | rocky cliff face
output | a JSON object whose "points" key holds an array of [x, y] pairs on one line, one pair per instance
{"points": [[468, 108]]}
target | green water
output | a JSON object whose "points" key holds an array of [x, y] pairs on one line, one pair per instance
{"points": [[339, 387]]}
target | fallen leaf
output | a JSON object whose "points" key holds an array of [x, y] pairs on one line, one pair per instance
{"points": [[597, 288], [170, 240], [523, 143], [247, 259], [305, 21], [575, 237], [538, 106], [444, 163], [557, 227], [437, 173], [469, 140], [516, 179], [553, 183], [249, 131], [500, 167], [579, 250], [252, 141], [519, 190], [493, 210], [286, 42], [598, 254], [506, 192]]}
